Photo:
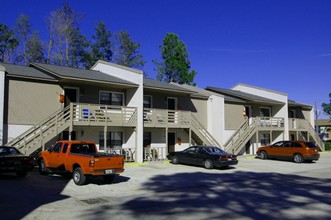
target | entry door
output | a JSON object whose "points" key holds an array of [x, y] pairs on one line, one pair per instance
{"points": [[70, 95], [171, 142]]}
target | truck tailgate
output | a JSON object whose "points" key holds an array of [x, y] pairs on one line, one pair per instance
{"points": [[108, 164]]}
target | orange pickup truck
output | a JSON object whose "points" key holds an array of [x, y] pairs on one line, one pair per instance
{"points": [[82, 159]]}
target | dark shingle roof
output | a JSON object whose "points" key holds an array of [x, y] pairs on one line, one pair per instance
{"points": [[292, 103], [24, 71], [158, 85], [74, 73], [236, 95]]}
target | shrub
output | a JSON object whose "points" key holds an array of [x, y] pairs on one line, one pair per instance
{"points": [[328, 146]]}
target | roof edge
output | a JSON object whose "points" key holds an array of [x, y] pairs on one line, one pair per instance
{"points": [[117, 66], [260, 88]]}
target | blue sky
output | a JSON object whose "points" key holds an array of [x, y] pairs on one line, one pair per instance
{"points": [[282, 45]]}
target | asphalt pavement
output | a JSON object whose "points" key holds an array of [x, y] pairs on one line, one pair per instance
{"points": [[253, 189]]}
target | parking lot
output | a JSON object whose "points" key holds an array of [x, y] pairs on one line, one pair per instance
{"points": [[253, 189]]}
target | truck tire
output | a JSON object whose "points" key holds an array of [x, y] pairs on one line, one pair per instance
{"points": [[108, 178], [42, 167], [78, 176]]}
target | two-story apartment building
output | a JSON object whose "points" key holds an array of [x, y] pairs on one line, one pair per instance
{"points": [[256, 116], [248, 117], [109, 104], [117, 107]]}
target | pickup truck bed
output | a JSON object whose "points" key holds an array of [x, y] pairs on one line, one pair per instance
{"points": [[82, 160]]}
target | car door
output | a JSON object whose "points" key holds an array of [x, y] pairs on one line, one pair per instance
{"points": [[276, 149], [56, 157], [188, 156], [287, 151]]}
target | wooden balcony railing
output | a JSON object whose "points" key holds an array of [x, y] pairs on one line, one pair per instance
{"points": [[93, 114], [166, 118]]}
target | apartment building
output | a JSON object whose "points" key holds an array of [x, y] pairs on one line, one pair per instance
{"points": [[117, 107]]}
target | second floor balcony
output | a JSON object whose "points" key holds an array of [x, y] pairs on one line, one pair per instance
{"points": [[103, 115], [166, 118]]}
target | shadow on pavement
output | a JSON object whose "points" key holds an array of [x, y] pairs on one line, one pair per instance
{"points": [[20, 196], [236, 195]]}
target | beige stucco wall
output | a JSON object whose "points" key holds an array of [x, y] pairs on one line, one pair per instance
{"points": [[200, 111], [31, 102], [233, 116]]}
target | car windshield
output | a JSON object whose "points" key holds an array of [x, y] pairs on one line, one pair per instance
{"points": [[213, 150], [311, 145]]}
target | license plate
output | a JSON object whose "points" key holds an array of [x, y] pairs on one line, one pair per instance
{"points": [[109, 171]]}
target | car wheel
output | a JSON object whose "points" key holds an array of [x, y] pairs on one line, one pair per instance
{"points": [[175, 160], [208, 164], [78, 176], [21, 173], [298, 158], [108, 178], [263, 155], [42, 167]]}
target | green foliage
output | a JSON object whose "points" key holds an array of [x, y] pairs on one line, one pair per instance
{"points": [[127, 53], [63, 23], [327, 146], [34, 49], [23, 32], [175, 66], [78, 50], [8, 43], [327, 107], [101, 48]]}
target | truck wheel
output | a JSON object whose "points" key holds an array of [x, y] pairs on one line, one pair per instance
{"points": [[42, 167], [78, 177], [108, 178]]}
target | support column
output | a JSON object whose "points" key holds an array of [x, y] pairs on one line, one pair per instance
{"points": [[190, 136], [105, 138], [257, 139], [167, 144], [2, 103]]}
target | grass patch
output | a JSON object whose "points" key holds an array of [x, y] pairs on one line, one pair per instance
{"points": [[135, 164]]}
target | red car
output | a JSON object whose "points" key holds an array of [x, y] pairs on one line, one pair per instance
{"points": [[13, 161], [297, 151]]}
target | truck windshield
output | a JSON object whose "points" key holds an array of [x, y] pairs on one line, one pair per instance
{"points": [[82, 148]]}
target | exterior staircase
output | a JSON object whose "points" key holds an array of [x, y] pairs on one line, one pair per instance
{"points": [[312, 133], [239, 139], [41, 133], [201, 135]]}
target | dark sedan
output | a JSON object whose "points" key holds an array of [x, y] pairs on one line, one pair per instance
{"points": [[206, 156], [13, 161]]}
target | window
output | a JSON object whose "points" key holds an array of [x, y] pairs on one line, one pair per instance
{"points": [[265, 112], [113, 139], [65, 147], [265, 139], [57, 147], [147, 101], [111, 98]]}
